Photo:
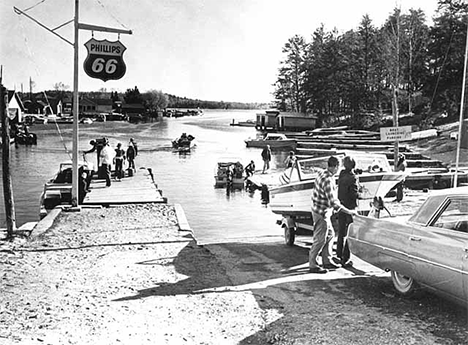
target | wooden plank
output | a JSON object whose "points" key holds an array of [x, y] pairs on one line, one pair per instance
{"points": [[136, 189]]}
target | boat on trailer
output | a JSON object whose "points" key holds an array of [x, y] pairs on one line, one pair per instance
{"points": [[275, 140], [292, 197]]}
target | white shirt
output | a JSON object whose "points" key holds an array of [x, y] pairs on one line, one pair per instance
{"points": [[107, 155]]}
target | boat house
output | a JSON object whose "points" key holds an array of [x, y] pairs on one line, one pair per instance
{"points": [[285, 121]]}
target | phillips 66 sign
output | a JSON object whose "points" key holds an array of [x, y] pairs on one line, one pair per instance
{"points": [[104, 60]]}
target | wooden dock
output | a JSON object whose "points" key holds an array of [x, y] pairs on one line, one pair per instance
{"points": [[137, 189]]}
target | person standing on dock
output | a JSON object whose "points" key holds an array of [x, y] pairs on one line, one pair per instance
{"points": [[97, 146], [135, 146], [266, 156], [131, 154], [324, 202], [106, 158], [119, 161]]}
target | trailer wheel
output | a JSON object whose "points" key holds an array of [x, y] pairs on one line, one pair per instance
{"points": [[289, 235]]}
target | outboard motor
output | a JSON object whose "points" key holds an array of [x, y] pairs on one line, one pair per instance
{"points": [[378, 205]]}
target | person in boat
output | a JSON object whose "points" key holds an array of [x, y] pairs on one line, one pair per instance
{"points": [[266, 156], [290, 160], [229, 176], [106, 158], [348, 192], [324, 202], [119, 160], [131, 154], [250, 169]]}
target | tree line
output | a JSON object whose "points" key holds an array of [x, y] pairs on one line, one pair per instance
{"points": [[405, 66], [153, 101]]}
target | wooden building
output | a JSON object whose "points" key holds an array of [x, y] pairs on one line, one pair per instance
{"points": [[15, 107], [285, 121]]}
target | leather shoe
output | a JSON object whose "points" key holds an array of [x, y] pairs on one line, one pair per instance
{"points": [[331, 266], [348, 263], [317, 270]]}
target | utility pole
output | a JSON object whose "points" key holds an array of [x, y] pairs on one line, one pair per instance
{"points": [[75, 177], [7, 183]]}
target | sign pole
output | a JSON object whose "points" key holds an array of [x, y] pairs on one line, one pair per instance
{"points": [[112, 66], [74, 196]]}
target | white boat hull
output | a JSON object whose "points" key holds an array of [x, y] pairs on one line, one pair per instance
{"points": [[294, 199]]}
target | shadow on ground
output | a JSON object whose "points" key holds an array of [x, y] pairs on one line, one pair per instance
{"points": [[278, 277]]}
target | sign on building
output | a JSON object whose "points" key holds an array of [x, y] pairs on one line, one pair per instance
{"points": [[395, 133], [105, 60]]}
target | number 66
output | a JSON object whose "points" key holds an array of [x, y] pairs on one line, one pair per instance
{"points": [[100, 64]]}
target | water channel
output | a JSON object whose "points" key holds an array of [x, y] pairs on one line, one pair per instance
{"points": [[186, 179]]}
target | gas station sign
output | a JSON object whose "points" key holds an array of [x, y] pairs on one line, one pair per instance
{"points": [[105, 60]]}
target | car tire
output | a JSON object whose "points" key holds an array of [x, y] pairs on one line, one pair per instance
{"points": [[404, 285], [289, 235]]}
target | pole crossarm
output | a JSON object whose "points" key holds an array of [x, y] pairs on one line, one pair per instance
{"points": [[91, 27], [61, 26], [19, 12]]}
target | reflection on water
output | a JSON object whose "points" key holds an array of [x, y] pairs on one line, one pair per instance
{"points": [[185, 178]]}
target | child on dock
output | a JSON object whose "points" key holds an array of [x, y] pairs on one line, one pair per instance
{"points": [[119, 161]]}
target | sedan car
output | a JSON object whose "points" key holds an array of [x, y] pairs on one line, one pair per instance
{"points": [[429, 248]]}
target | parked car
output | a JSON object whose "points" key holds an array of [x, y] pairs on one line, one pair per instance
{"points": [[429, 248]]}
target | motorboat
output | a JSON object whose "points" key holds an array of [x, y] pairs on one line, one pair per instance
{"points": [[275, 140], [236, 179], [292, 196], [23, 138], [86, 121], [58, 190], [435, 178], [184, 143]]}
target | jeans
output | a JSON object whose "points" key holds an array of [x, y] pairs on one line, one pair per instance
{"points": [[322, 241], [119, 167], [106, 171]]}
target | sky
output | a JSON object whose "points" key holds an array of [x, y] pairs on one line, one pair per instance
{"points": [[216, 50]]}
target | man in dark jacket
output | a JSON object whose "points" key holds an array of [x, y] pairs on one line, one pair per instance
{"points": [[348, 188], [266, 156]]}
